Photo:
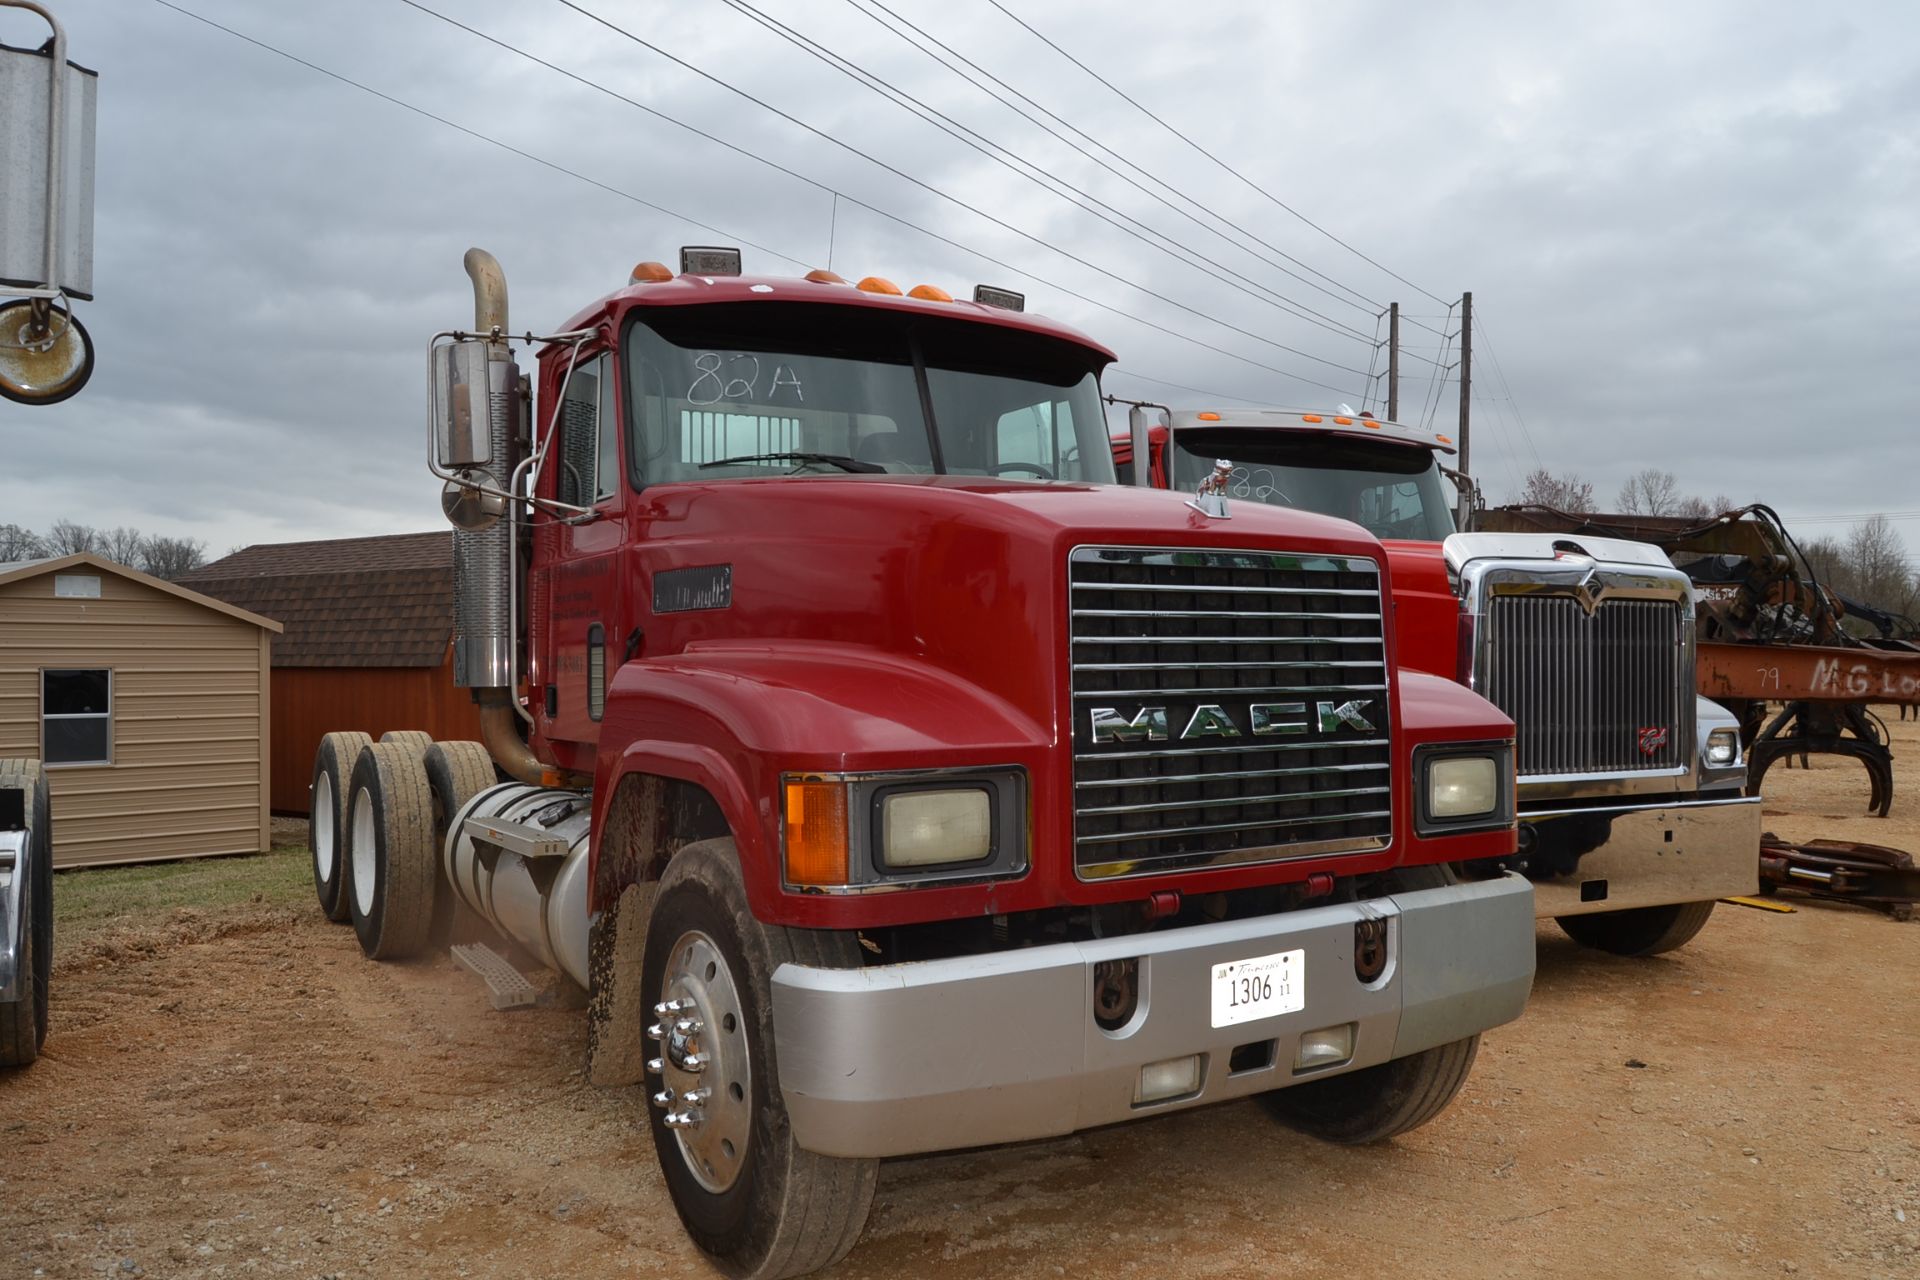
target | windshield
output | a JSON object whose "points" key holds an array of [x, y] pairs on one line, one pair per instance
{"points": [[1392, 490], [768, 381]]}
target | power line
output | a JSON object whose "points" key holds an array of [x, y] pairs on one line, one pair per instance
{"points": [[722, 232], [1513, 406], [1269, 196], [1053, 184], [895, 170], [955, 55], [1119, 371], [476, 134]]}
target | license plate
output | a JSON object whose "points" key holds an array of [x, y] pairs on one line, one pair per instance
{"points": [[1262, 987]]}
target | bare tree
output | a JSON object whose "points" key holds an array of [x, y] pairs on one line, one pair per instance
{"points": [[17, 543], [67, 538], [1562, 493], [121, 545], [1878, 566], [1651, 492], [172, 558]]}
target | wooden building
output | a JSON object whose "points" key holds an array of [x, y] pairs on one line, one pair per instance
{"points": [[368, 642], [149, 704]]}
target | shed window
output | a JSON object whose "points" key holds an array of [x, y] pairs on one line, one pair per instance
{"points": [[76, 716]]}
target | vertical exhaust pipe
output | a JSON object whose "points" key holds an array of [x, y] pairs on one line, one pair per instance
{"points": [[486, 634]]}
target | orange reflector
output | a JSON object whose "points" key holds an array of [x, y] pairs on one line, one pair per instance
{"points": [[1371, 422], [826, 277], [1208, 417], [874, 284], [929, 293], [1444, 439], [1309, 417], [650, 273], [1345, 422], [816, 848]]}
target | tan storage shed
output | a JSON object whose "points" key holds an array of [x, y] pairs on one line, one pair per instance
{"points": [[149, 704]]}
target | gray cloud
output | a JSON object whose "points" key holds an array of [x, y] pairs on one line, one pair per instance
{"points": [[1688, 229]]}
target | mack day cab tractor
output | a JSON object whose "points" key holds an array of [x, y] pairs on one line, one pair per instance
{"points": [[1632, 821], [894, 782]]}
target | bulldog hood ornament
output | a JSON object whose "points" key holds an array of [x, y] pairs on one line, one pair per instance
{"points": [[1210, 499]]}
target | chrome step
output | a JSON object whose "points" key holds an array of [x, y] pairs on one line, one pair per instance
{"points": [[507, 987]]}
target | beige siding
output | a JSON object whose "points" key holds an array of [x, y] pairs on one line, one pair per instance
{"points": [[189, 719]]}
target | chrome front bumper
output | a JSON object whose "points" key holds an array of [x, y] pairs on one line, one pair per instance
{"points": [[977, 1050], [1688, 851]]}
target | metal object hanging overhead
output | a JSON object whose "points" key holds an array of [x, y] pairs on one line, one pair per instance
{"points": [[46, 217]]}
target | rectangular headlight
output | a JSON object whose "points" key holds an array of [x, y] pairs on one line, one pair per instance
{"points": [[1723, 746], [930, 828], [1462, 786]]}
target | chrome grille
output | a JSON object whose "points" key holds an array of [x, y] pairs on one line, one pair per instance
{"points": [[1232, 688], [1606, 691]]}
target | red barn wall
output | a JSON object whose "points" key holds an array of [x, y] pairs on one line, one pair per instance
{"points": [[311, 701]]}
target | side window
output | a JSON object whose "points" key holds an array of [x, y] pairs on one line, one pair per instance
{"points": [[577, 452], [1041, 434], [76, 717]]}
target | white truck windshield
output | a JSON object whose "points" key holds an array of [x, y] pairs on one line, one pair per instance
{"points": [[1392, 490], [781, 389]]}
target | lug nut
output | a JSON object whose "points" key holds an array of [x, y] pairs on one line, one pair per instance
{"points": [[656, 1066], [667, 1008], [695, 1062], [682, 1119], [656, 1032], [689, 1027], [697, 1097], [663, 1099]]}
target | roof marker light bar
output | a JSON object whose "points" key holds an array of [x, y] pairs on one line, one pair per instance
{"points": [[707, 260], [1005, 299]]}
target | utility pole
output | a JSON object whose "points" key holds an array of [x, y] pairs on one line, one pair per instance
{"points": [[1466, 375], [1393, 362]]}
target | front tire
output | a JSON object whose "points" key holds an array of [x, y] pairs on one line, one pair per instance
{"points": [[754, 1202], [1642, 931], [1379, 1102], [394, 872], [23, 1021]]}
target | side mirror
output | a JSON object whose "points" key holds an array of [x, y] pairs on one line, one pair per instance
{"points": [[459, 383]]}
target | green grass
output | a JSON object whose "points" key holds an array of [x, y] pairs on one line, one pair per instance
{"points": [[90, 899]]}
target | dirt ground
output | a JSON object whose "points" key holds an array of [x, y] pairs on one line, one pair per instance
{"points": [[236, 1092]]}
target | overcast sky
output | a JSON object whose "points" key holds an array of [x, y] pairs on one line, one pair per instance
{"points": [[1689, 229]]}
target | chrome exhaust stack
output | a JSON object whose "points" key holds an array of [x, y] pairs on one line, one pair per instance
{"points": [[484, 632]]}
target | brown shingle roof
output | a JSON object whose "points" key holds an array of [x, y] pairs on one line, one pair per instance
{"points": [[346, 602]]}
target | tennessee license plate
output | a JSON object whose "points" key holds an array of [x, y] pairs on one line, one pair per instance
{"points": [[1262, 987]]}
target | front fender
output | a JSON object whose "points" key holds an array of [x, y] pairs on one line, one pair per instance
{"points": [[732, 718]]}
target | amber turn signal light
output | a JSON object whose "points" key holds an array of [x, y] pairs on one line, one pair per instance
{"points": [[816, 833]]}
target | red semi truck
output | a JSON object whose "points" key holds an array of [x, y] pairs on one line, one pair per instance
{"points": [[1633, 820], [891, 780]]}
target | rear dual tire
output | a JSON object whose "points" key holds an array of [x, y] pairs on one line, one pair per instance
{"points": [[327, 818], [23, 1021], [392, 873]]}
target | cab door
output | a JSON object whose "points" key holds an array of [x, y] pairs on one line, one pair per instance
{"points": [[577, 590]]}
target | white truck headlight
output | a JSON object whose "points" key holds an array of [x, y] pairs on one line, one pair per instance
{"points": [[931, 828], [1723, 746], [1462, 786]]}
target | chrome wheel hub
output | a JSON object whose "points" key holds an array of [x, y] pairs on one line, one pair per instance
{"points": [[706, 1077]]}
